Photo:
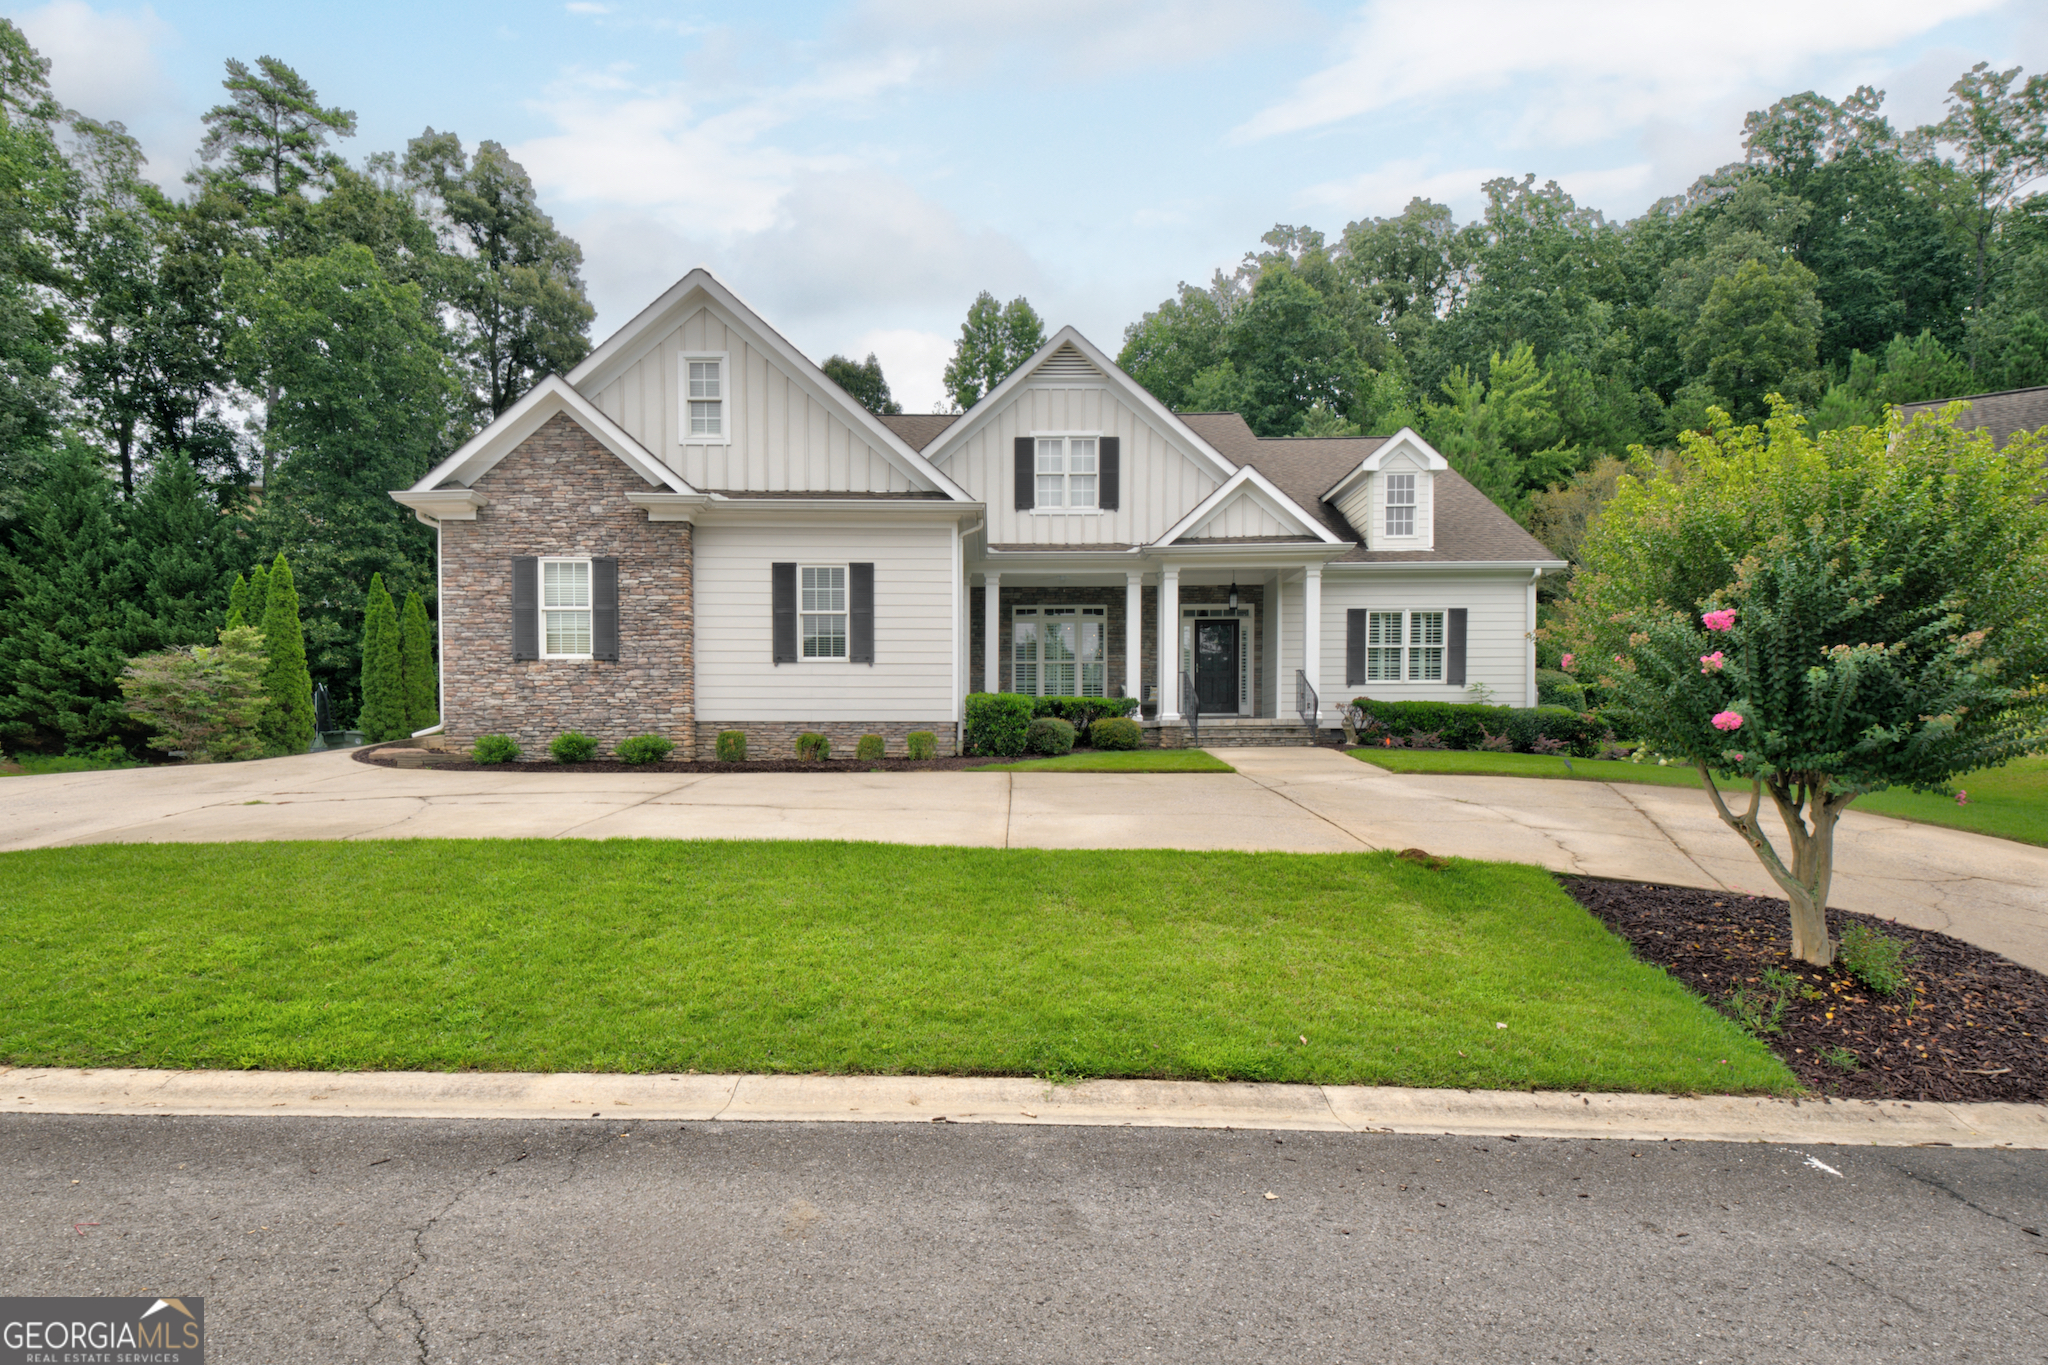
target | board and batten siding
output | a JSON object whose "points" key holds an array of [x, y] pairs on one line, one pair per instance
{"points": [[782, 439], [912, 676], [1496, 631], [1160, 483], [1243, 515]]}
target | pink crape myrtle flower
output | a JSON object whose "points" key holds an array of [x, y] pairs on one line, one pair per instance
{"points": [[1727, 720], [1566, 663], [1713, 663], [1723, 619], [1736, 757], [1962, 797]]}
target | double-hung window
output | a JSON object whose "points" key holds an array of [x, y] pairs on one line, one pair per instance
{"points": [[704, 400], [823, 610], [1059, 651], [1400, 504], [1067, 472], [565, 608], [1391, 634]]}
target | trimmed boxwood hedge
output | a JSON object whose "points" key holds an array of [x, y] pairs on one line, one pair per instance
{"points": [[1083, 712], [996, 723], [1462, 725], [1049, 735], [1116, 732]]}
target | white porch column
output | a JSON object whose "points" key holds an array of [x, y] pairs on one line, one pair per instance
{"points": [[991, 633], [1312, 630], [1134, 635], [1169, 642]]}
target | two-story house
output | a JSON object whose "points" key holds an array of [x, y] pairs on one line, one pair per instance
{"points": [[696, 530]]}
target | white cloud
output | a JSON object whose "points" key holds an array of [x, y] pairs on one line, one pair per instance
{"points": [[108, 65], [1386, 189], [1584, 69], [913, 362], [1082, 38]]}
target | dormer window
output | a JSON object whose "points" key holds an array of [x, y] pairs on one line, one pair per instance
{"points": [[1400, 504]]}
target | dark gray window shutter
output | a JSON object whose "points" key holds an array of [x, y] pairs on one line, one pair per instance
{"points": [[784, 578], [1109, 487], [1354, 648], [860, 613], [526, 607], [604, 609], [1454, 647], [1027, 473]]}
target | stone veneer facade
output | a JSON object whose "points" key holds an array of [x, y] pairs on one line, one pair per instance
{"points": [[562, 493]]}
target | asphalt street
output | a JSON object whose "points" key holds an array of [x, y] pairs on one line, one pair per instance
{"points": [[597, 1241]]}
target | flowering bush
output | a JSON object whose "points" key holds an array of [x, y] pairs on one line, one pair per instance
{"points": [[1566, 663], [1879, 600]]}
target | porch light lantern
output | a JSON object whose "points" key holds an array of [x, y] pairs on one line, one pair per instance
{"points": [[1233, 592]]}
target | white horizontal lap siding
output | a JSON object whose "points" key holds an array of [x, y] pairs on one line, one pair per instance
{"points": [[782, 439], [1496, 626], [737, 677], [1159, 484]]}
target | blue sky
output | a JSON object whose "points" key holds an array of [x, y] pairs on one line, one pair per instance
{"points": [[859, 170]]}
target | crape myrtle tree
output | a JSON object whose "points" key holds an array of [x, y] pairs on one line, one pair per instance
{"points": [[1823, 618]]}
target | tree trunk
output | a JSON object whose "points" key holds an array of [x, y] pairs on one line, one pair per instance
{"points": [[1806, 882]]}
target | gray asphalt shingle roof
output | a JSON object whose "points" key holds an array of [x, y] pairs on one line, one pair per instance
{"points": [[2002, 414]]}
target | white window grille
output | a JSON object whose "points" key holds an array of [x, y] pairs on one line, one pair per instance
{"points": [[704, 399], [565, 608], [1400, 504], [823, 610], [1067, 473], [1425, 646], [1383, 646], [1059, 651]]}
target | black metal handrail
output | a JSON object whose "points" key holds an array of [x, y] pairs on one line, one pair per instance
{"points": [[1305, 700], [1191, 707]]}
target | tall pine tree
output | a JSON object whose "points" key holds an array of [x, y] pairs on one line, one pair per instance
{"points": [[383, 714], [174, 550], [416, 664], [287, 724]]}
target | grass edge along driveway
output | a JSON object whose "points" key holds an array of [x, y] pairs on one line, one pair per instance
{"points": [[666, 956], [2006, 803]]}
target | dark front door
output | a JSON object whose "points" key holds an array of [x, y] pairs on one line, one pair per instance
{"points": [[1216, 666]]}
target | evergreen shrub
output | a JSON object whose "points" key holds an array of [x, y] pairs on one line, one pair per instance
{"points": [[383, 680], [1461, 725], [1049, 735], [921, 744], [1116, 732], [572, 746], [1555, 688], [1083, 712], [644, 749], [813, 747], [870, 747], [997, 722], [416, 666], [732, 746], [494, 749]]}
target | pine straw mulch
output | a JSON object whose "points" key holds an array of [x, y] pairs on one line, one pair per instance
{"points": [[462, 763], [1972, 1026]]}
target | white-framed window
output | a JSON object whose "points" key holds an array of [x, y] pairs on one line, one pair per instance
{"points": [[1059, 651], [821, 610], [707, 399], [1067, 473], [565, 608], [1391, 634], [1400, 504]]}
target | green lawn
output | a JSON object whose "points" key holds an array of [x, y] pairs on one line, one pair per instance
{"points": [[1118, 761], [647, 955], [2010, 802]]}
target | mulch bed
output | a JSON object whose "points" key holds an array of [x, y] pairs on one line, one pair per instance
{"points": [[457, 763], [1972, 1012]]}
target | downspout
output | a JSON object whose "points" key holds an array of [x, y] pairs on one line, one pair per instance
{"points": [[1529, 663], [440, 646]]}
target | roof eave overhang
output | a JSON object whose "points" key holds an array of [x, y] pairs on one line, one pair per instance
{"points": [[1406, 436], [1520, 566], [771, 509], [432, 506]]}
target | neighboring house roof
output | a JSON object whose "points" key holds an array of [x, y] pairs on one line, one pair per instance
{"points": [[1469, 527], [918, 429], [2002, 414]]}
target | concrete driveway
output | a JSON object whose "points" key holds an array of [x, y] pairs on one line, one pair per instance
{"points": [[1988, 891]]}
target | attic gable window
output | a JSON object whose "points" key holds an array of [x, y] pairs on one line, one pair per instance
{"points": [[1400, 504], [1066, 473], [705, 398]]}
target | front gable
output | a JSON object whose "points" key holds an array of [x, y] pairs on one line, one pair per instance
{"points": [[1069, 388], [784, 428], [1247, 507]]}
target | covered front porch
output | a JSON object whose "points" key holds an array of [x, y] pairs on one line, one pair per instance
{"points": [[1062, 623]]}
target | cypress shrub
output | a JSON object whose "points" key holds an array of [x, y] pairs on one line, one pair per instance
{"points": [[383, 714], [258, 604], [287, 725], [416, 666], [732, 746], [1049, 735], [921, 744], [997, 722], [238, 604], [870, 747]]}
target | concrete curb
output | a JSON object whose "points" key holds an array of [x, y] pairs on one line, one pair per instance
{"points": [[949, 1099]]}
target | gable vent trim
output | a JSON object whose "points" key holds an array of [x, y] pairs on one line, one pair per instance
{"points": [[1066, 363]]}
